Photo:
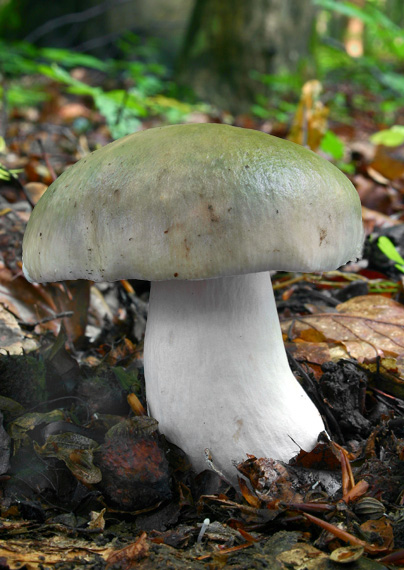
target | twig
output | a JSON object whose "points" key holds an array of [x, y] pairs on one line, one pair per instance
{"points": [[46, 159], [209, 461], [31, 326]]}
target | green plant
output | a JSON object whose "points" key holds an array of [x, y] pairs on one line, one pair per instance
{"points": [[387, 247], [146, 90], [383, 37], [389, 137], [378, 71], [284, 88]]}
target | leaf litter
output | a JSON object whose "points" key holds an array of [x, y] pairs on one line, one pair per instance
{"points": [[86, 479]]}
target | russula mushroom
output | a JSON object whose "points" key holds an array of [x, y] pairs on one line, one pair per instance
{"points": [[204, 211]]}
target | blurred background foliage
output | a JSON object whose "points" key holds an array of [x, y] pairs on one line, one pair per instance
{"points": [[137, 59]]}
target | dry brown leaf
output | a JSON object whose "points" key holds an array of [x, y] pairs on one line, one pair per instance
{"points": [[389, 162], [313, 352], [35, 190], [279, 482], [29, 302], [373, 219], [97, 520], [251, 499], [12, 339], [321, 457], [366, 327], [126, 557]]}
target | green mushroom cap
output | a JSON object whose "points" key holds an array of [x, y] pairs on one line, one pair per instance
{"points": [[193, 201]]}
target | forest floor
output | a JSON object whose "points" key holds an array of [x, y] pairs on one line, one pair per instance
{"points": [[83, 479]]}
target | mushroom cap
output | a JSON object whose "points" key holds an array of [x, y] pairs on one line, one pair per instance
{"points": [[193, 201]]}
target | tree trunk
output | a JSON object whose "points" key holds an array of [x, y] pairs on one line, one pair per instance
{"points": [[227, 40]]}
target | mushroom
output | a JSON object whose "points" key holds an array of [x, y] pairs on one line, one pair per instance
{"points": [[205, 211]]}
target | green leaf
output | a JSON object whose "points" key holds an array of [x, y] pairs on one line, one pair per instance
{"points": [[331, 144], [345, 9], [6, 174], [73, 59], [127, 379], [59, 74], [387, 247], [389, 137]]}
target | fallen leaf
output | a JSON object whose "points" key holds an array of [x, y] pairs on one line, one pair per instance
{"points": [[373, 219], [97, 521], [19, 427], [76, 451], [389, 161], [12, 339], [248, 495], [125, 558], [367, 327], [48, 552], [35, 190], [383, 528], [302, 556]]}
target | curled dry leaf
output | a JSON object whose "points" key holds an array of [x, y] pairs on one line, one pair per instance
{"points": [[126, 557], [97, 521]]}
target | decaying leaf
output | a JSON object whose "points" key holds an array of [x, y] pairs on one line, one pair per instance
{"points": [[48, 552], [19, 428], [302, 556], [76, 451]]}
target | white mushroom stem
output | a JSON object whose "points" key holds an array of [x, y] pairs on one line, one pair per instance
{"points": [[217, 374]]}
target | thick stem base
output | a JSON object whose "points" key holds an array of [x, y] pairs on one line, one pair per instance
{"points": [[217, 374]]}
